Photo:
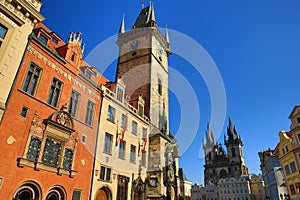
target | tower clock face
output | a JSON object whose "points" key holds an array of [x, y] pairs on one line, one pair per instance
{"points": [[134, 45], [160, 50]]}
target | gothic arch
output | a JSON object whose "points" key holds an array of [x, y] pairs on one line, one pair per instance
{"points": [[28, 190], [103, 194]]}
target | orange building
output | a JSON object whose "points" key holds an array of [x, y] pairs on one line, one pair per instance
{"points": [[49, 129]]}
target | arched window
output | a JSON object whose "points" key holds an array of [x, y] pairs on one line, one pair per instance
{"points": [[28, 190], [223, 173]]}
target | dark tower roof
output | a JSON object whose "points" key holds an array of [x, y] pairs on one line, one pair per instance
{"points": [[231, 131], [146, 18]]}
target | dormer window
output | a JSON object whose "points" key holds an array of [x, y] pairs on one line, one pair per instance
{"points": [[43, 39], [88, 75], [54, 40]]}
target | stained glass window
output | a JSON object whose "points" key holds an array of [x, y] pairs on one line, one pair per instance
{"points": [[33, 150], [51, 153], [67, 164]]}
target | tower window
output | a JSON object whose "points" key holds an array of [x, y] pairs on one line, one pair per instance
{"points": [[73, 56], [233, 152], [159, 87]]}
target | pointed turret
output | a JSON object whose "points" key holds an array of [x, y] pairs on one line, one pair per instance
{"points": [[152, 16], [231, 131], [146, 18], [167, 36], [122, 27]]}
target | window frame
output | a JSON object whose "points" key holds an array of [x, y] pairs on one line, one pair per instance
{"points": [[50, 101], [76, 99], [36, 85], [90, 113], [132, 153], [134, 131], [108, 145], [111, 114], [122, 150]]}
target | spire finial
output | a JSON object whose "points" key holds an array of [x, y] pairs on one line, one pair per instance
{"points": [[122, 27], [143, 4], [167, 35]]}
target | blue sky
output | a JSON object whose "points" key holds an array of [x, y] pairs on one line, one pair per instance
{"points": [[255, 45]]}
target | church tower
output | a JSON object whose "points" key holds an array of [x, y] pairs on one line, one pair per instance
{"points": [[234, 146], [143, 66]]}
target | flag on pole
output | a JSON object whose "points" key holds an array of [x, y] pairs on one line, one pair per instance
{"points": [[117, 136], [144, 145]]}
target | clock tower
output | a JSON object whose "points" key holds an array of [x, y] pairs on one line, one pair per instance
{"points": [[143, 66]]}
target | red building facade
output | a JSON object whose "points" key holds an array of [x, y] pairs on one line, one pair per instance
{"points": [[49, 129]]}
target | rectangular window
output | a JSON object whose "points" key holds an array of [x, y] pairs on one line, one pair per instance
{"points": [[88, 75], [89, 115], [132, 153], [3, 31], [68, 159], [43, 39], [54, 40], [34, 149], [54, 93], [105, 173], [83, 139], [293, 167], [287, 169], [102, 173], [31, 80], [52, 152], [124, 122], [24, 111], [111, 114], [292, 188], [286, 148], [134, 128], [108, 173], [159, 87], [143, 159], [76, 195], [120, 94], [74, 102], [122, 150], [108, 143]]}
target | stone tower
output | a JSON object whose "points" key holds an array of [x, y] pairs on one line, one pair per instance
{"points": [[220, 163], [235, 152], [143, 66]]}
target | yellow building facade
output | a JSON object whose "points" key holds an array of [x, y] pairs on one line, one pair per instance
{"points": [[289, 151], [17, 19], [122, 144]]}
